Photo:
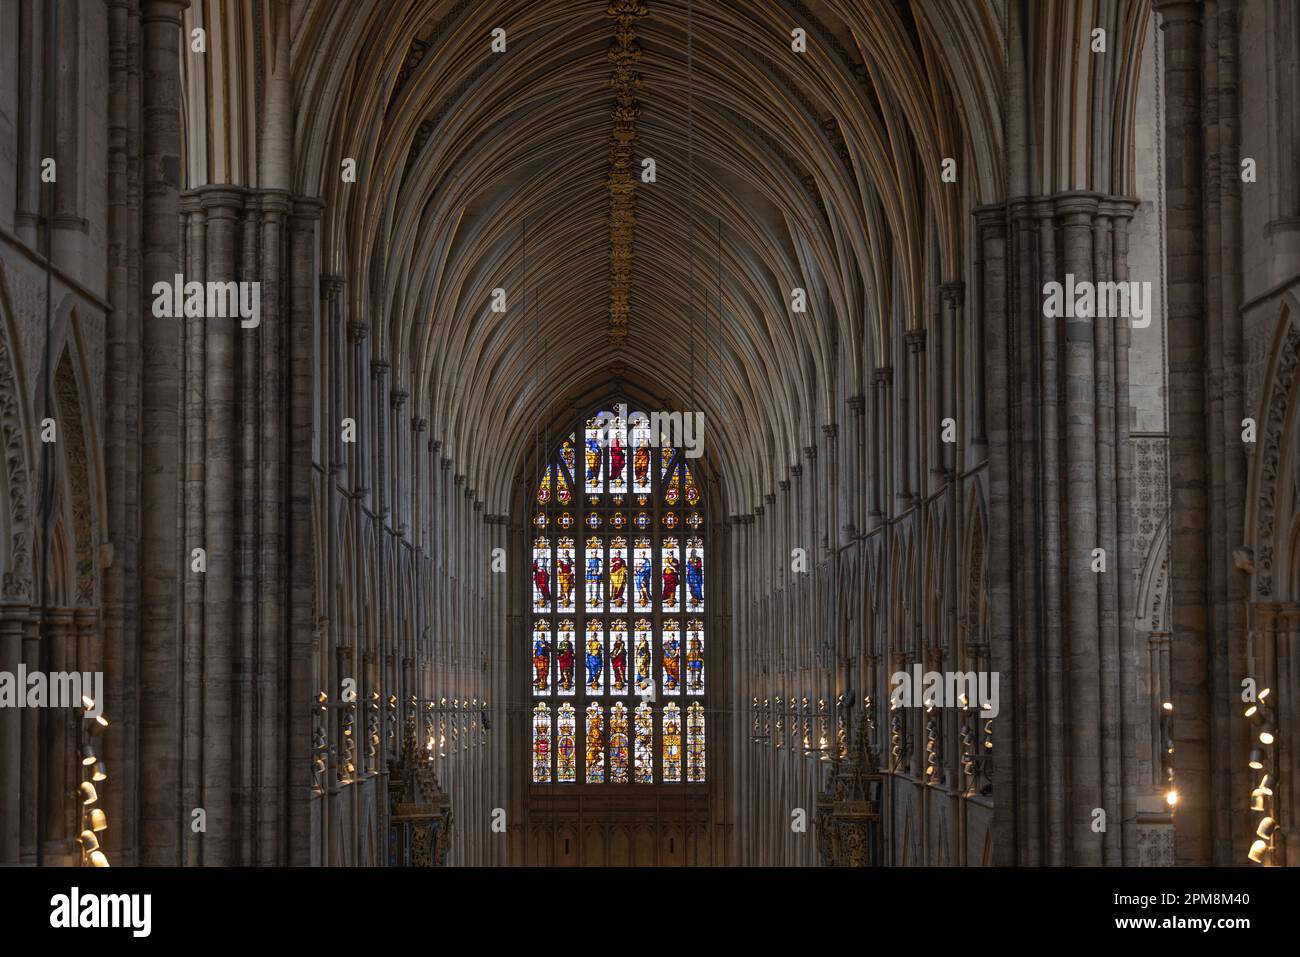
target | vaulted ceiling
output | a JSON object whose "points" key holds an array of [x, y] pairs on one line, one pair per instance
{"points": [[775, 169]]}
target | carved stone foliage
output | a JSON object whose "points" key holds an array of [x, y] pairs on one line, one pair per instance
{"points": [[1152, 503], [1155, 845], [73, 440], [1270, 454], [17, 579]]}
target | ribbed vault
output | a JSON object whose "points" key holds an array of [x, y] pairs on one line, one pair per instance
{"points": [[775, 170]]}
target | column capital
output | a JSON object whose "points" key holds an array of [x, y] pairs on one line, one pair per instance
{"points": [[953, 292], [830, 430], [915, 340], [1076, 207], [858, 403], [379, 368], [883, 375], [419, 424], [169, 11], [398, 397], [1172, 11]]}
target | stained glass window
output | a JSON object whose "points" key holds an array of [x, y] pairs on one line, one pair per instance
{"points": [[618, 741], [541, 744], [617, 644], [695, 743], [566, 745], [645, 744], [672, 767], [595, 743]]}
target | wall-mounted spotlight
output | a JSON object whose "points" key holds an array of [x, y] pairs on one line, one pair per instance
{"points": [[1257, 851]]}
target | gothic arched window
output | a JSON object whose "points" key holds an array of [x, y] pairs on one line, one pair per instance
{"points": [[617, 609]]}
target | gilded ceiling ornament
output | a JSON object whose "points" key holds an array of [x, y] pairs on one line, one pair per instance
{"points": [[624, 55]]}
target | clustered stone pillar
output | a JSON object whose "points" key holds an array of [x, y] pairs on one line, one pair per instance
{"points": [[160, 818], [1181, 26]]}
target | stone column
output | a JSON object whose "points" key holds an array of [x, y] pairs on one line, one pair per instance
{"points": [[919, 413], [954, 296], [882, 449], [298, 538], [11, 737], [220, 416], [160, 818], [59, 744], [1189, 577], [1082, 587], [119, 591], [1015, 837]]}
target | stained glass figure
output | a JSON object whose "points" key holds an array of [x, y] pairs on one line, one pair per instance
{"points": [[644, 745], [541, 744], [593, 459], [542, 572], [617, 439], [563, 493], [566, 746], [672, 675], [671, 574], [564, 573], [543, 653], [640, 454], [595, 575], [566, 656], [595, 744], [595, 657], [567, 455], [695, 656], [618, 743], [695, 573], [618, 573], [643, 574], [644, 644], [672, 730], [695, 743], [618, 657]]}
